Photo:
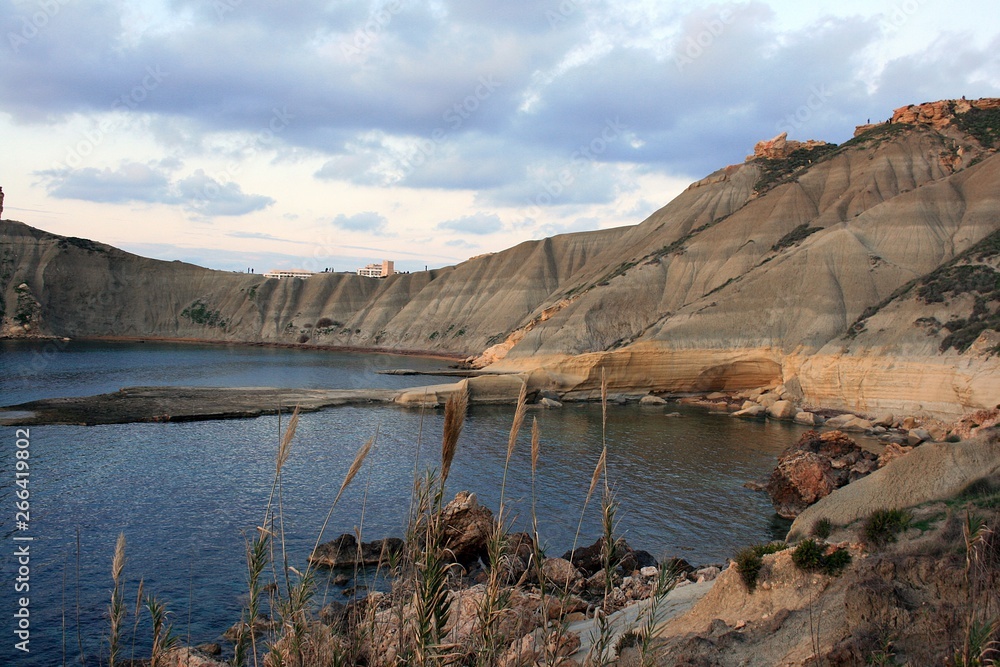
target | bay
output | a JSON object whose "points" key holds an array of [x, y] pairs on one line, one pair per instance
{"points": [[185, 495]]}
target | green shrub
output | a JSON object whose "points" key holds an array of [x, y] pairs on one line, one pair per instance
{"points": [[794, 236], [750, 560], [983, 124], [882, 526], [822, 528], [811, 555]]}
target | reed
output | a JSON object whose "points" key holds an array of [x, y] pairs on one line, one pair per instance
{"points": [[117, 607]]}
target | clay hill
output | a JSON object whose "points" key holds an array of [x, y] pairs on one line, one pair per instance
{"points": [[865, 276]]}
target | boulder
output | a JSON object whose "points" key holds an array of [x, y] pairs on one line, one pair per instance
{"points": [[813, 467], [908, 424], [767, 400], [716, 396], [752, 412], [652, 400], [560, 572], [589, 559], [857, 425], [808, 418], [467, 527], [346, 552], [840, 420], [916, 436], [969, 424], [185, 656], [550, 403], [892, 452], [885, 420], [781, 410]]}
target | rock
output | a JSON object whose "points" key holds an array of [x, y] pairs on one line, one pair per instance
{"points": [[937, 433], [652, 400], [908, 424], [716, 396], [672, 414], [344, 552], [807, 418], [767, 400], [185, 656], [885, 420], [752, 412], [211, 649], [467, 527], [781, 410], [559, 572], [748, 404], [780, 148], [707, 573], [814, 467], [892, 452], [916, 436], [649, 571], [589, 559], [840, 420], [969, 424], [857, 425], [531, 648], [550, 403]]}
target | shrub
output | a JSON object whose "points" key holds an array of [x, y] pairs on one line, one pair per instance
{"points": [[822, 528], [794, 236], [811, 555], [882, 526], [750, 560]]}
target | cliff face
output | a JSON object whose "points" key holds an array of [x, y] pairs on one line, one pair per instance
{"points": [[758, 273]]}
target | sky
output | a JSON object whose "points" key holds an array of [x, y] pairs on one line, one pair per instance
{"points": [[312, 134]]}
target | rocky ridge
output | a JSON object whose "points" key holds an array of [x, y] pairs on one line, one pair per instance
{"points": [[755, 275]]}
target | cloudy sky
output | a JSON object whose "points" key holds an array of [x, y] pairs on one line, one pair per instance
{"points": [[317, 133]]}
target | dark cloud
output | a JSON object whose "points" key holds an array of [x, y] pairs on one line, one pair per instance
{"points": [[367, 221], [494, 97], [134, 182], [479, 223]]}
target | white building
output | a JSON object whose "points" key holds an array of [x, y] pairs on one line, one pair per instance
{"points": [[383, 270], [288, 273]]}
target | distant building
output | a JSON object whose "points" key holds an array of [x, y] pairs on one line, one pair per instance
{"points": [[288, 273], [383, 270]]}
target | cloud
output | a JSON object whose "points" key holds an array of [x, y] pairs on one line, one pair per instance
{"points": [[479, 224], [261, 236], [367, 221], [134, 182]]}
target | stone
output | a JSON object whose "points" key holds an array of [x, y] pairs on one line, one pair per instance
{"points": [[840, 420], [649, 571], [937, 433], [966, 427], [908, 424], [467, 527], [916, 436], [652, 400], [892, 452], [716, 396], [550, 403], [559, 572], [185, 656], [345, 552], [857, 425], [781, 410], [767, 400], [708, 573], [814, 467], [751, 412], [672, 414], [748, 404], [886, 420], [807, 418]]}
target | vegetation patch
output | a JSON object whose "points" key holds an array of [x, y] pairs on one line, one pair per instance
{"points": [[876, 136], [27, 307], [199, 313], [795, 236], [83, 244], [750, 559], [811, 555], [822, 528], [882, 526], [776, 171], [982, 124]]}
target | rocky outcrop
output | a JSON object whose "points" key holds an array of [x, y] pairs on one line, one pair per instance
{"points": [[467, 527], [345, 552], [941, 114], [781, 148], [813, 468], [695, 298]]}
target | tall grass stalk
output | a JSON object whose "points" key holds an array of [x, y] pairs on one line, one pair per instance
{"points": [[163, 637], [666, 580], [136, 614], [117, 606]]}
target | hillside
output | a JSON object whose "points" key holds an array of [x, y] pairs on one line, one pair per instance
{"points": [[803, 265]]}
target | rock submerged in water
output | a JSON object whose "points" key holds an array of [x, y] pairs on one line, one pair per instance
{"points": [[346, 552], [813, 467]]}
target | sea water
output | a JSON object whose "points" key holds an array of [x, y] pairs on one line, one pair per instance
{"points": [[187, 496]]}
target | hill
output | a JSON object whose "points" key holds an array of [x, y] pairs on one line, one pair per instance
{"points": [[864, 275]]}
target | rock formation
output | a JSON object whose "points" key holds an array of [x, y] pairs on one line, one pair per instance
{"points": [[803, 272]]}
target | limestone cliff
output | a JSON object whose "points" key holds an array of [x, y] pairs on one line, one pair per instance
{"points": [[762, 272]]}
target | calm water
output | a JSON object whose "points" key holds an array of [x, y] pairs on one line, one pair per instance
{"points": [[184, 494]]}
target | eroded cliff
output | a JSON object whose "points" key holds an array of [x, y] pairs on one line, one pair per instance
{"points": [[761, 272]]}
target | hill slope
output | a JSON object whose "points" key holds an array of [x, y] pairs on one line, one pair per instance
{"points": [[758, 273]]}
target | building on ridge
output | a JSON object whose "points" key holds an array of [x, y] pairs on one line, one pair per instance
{"points": [[383, 270], [288, 273]]}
